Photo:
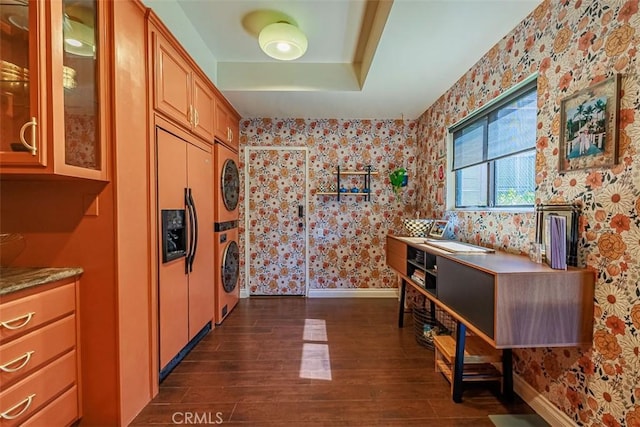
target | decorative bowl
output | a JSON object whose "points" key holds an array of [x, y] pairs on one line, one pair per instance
{"points": [[417, 227]]}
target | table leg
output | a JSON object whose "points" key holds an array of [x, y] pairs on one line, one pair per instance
{"points": [[507, 373], [458, 365], [403, 291]]}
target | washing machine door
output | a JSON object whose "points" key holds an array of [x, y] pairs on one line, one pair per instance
{"points": [[230, 184], [230, 267]]}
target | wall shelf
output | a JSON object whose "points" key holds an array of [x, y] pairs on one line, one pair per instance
{"points": [[364, 191]]}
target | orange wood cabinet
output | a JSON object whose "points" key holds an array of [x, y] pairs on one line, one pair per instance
{"points": [[227, 125], [39, 357], [179, 92], [102, 226], [54, 89]]}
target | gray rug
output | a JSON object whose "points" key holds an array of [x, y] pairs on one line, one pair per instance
{"points": [[524, 420]]}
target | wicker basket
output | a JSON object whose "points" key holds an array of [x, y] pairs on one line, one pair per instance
{"points": [[426, 326]]}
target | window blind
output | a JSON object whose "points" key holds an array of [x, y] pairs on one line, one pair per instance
{"points": [[504, 128]]}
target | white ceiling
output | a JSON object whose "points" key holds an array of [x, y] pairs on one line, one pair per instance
{"points": [[424, 48]]}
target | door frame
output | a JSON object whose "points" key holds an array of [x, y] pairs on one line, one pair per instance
{"points": [[247, 186]]}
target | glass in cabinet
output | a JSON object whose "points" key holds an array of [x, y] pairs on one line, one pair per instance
{"points": [[53, 92]]}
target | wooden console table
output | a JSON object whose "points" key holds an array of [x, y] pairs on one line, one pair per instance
{"points": [[506, 300]]}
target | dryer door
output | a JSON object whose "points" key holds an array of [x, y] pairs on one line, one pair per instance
{"points": [[230, 184], [230, 267]]}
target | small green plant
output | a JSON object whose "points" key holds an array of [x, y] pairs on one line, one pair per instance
{"points": [[397, 178]]}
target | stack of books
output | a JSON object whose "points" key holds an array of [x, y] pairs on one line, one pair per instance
{"points": [[418, 277], [556, 241]]}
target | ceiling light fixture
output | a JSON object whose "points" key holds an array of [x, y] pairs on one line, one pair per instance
{"points": [[283, 41], [79, 38]]}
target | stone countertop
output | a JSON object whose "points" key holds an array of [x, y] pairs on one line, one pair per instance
{"points": [[13, 279]]}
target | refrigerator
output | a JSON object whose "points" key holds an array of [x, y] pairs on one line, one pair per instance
{"points": [[185, 217]]}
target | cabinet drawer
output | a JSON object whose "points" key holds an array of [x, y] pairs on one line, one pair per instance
{"points": [[469, 292], [61, 412], [25, 354], [397, 255], [29, 395], [25, 314]]}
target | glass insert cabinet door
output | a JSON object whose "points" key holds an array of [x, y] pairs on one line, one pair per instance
{"points": [[53, 87]]}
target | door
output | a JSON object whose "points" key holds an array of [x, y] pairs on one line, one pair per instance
{"points": [[54, 93], [227, 184], [227, 126], [173, 291], [276, 210], [201, 274], [172, 93], [20, 56], [203, 109]]}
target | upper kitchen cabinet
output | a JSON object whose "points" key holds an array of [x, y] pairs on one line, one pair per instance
{"points": [[227, 125], [54, 81], [179, 92]]}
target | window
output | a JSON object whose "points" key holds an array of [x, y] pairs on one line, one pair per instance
{"points": [[494, 152]]}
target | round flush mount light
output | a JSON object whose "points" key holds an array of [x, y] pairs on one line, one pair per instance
{"points": [[78, 38], [283, 41]]}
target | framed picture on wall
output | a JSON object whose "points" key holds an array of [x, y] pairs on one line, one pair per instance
{"points": [[589, 127], [442, 147], [438, 229]]}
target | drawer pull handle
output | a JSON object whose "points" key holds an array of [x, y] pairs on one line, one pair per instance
{"points": [[26, 357], [26, 402], [9, 323]]}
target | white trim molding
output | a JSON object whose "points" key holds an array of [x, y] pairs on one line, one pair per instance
{"points": [[354, 293], [244, 293], [541, 404]]}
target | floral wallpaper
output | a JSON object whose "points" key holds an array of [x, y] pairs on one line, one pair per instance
{"points": [[80, 149], [346, 237], [572, 44]]}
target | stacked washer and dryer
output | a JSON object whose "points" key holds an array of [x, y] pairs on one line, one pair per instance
{"points": [[227, 252]]}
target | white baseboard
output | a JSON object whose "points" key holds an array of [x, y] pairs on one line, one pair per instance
{"points": [[343, 293], [354, 293], [541, 404]]}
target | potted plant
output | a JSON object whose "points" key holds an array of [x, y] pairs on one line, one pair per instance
{"points": [[398, 179]]}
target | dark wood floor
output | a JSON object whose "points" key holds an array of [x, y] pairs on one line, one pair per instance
{"points": [[364, 372]]}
